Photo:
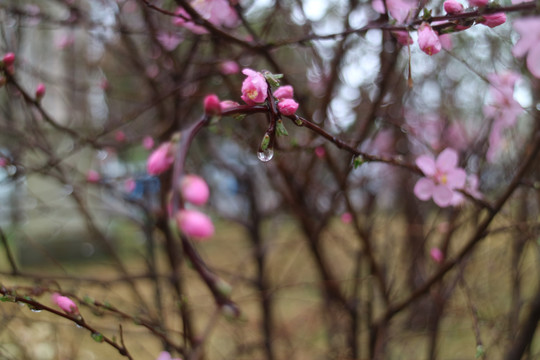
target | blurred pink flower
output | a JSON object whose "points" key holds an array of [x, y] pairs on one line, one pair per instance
{"points": [[437, 255], [229, 67], [446, 41], [194, 189], [195, 224], [529, 42], [493, 20], [40, 91], [320, 152], [428, 40], [398, 9], [217, 12], [346, 218], [129, 185], [161, 159], [284, 92], [254, 87], [120, 136], [64, 41], [148, 142], [93, 176], [164, 355], [452, 7], [287, 107], [169, 40], [8, 59], [442, 177], [403, 37], [212, 106], [478, 3], [65, 303]]}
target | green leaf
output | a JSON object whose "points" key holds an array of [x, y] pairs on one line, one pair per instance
{"points": [[97, 337], [280, 129], [265, 142], [358, 161], [480, 351], [273, 79]]}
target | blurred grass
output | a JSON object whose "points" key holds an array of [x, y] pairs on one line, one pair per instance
{"points": [[299, 310]]}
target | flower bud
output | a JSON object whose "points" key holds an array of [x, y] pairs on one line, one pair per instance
{"points": [[195, 224], [161, 159], [287, 107], [40, 91], [194, 189], [428, 40], [8, 59], [437, 255], [452, 7], [148, 142], [212, 106], [478, 3], [493, 20], [227, 104], [120, 136], [65, 303], [284, 92], [92, 176]]}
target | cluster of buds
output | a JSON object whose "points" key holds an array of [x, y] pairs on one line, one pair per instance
{"points": [[194, 223]]}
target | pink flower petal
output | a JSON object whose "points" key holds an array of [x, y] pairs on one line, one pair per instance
{"points": [[455, 178], [424, 189], [442, 195], [426, 164], [447, 160], [533, 60]]}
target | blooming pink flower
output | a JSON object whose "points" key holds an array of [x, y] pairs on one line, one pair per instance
{"points": [[287, 107], [40, 91], [227, 104], [229, 67], [284, 92], [194, 189], [428, 40], [442, 177], [161, 159], [93, 176], [403, 37], [254, 87], [478, 3], [65, 303], [398, 9], [212, 106], [529, 42], [164, 355], [437, 255], [148, 142], [493, 20], [8, 59], [194, 224], [452, 7]]}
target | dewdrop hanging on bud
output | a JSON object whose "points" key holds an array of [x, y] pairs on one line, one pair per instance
{"points": [[266, 151]]}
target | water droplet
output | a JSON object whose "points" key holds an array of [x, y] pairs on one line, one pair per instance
{"points": [[266, 155], [78, 326], [35, 310]]}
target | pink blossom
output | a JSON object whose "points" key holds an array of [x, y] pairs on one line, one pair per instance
{"points": [[229, 67], [446, 41], [493, 20], [403, 37], [478, 3], [398, 9], [169, 40], [437, 255], [212, 106], [161, 159], [183, 19], [65, 303], [529, 43], [194, 224], [452, 7], [217, 12], [228, 104], [428, 40], [3, 161], [284, 92], [346, 218], [8, 59], [93, 176], [442, 177], [287, 107], [320, 152], [40, 91], [164, 355], [120, 136], [148, 142], [129, 185], [254, 87], [194, 189]]}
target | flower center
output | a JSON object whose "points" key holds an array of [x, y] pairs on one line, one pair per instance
{"points": [[252, 94]]}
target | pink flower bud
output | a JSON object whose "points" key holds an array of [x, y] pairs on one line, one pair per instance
{"points": [[9, 59], [65, 303], [254, 87], [195, 224], [161, 159], [287, 107], [346, 218], [493, 20], [284, 92], [194, 189], [320, 152], [452, 7], [403, 37], [130, 185], [229, 67], [227, 104], [428, 40], [119, 136], [40, 91], [148, 142], [212, 106], [164, 355], [93, 176], [478, 3], [437, 255]]}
